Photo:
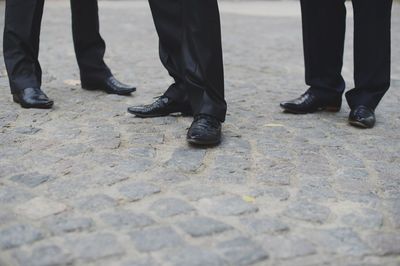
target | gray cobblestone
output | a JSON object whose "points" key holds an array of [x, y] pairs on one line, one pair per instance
{"points": [[125, 218], [59, 225], [31, 179], [203, 226], [308, 211], [152, 239], [192, 256], [305, 190], [242, 251], [229, 206], [19, 234], [43, 256], [94, 246], [168, 207], [137, 191]]}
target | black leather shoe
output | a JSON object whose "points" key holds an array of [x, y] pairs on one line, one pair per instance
{"points": [[310, 103], [362, 117], [33, 98], [110, 85], [205, 130], [163, 106]]}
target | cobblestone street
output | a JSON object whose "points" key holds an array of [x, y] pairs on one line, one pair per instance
{"points": [[89, 184]]}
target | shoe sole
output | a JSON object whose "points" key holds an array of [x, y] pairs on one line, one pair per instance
{"points": [[160, 115], [359, 124], [326, 109], [124, 93], [197, 142], [28, 106]]}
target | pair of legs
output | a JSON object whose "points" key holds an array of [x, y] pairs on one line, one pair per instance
{"points": [[190, 49], [324, 26], [22, 36]]}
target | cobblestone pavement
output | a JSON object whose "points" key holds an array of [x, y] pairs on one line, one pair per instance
{"points": [[87, 183]]}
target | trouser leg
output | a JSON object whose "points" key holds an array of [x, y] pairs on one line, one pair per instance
{"points": [[372, 44], [88, 43], [324, 26], [21, 43]]}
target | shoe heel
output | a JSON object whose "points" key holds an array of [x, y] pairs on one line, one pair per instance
{"points": [[15, 99], [333, 109]]}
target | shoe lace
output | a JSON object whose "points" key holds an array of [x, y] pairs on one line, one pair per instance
{"points": [[205, 121]]}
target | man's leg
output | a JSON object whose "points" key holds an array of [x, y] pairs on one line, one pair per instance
{"points": [[167, 16], [90, 49], [202, 58], [372, 45], [21, 43], [89, 45], [324, 26]]}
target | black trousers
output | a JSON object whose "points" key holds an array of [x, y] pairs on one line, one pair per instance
{"points": [[324, 25], [190, 49], [21, 42]]}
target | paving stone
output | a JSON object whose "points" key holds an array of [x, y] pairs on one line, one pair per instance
{"points": [[228, 206], [136, 191], [203, 226], [94, 246], [179, 159], [364, 218], [43, 256], [287, 247], [12, 195], [230, 169], [169, 177], [6, 216], [125, 218], [31, 179], [95, 203], [265, 225], [140, 261], [242, 251], [275, 173], [27, 130], [316, 189], [339, 241], [152, 239], [59, 225], [40, 207], [198, 192], [384, 244], [19, 234], [308, 211], [192, 256], [276, 193], [168, 207], [394, 212]]}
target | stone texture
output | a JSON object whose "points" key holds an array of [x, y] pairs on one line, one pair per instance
{"points": [[308, 211], [94, 246], [229, 206], [192, 256], [31, 179], [203, 226], [168, 207], [137, 191], [125, 218], [40, 207], [152, 239], [287, 247], [19, 234], [307, 190], [242, 251]]}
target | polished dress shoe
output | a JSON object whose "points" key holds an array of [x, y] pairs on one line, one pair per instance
{"points": [[33, 98], [310, 103], [362, 117], [205, 130], [163, 106], [110, 85]]}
